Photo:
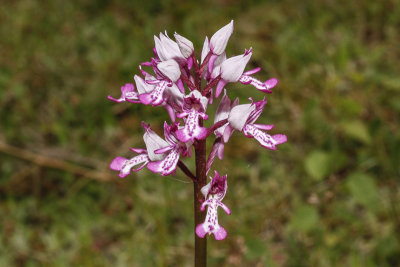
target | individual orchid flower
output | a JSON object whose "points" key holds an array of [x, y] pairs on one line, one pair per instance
{"points": [[213, 192], [232, 69], [170, 70], [194, 107], [216, 69], [222, 113], [172, 150], [128, 93], [153, 142], [172, 98], [124, 166], [242, 118]]}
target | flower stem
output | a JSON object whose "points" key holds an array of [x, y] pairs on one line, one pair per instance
{"points": [[200, 244]]}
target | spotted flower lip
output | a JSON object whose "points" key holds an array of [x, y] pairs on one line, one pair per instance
{"points": [[214, 192], [261, 86], [125, 166], [193, 109], [128, 93]]}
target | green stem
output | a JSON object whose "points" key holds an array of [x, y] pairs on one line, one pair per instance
{"points": [[200, 244]]}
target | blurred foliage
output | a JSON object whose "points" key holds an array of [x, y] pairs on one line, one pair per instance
{"points": [[329, 197]]}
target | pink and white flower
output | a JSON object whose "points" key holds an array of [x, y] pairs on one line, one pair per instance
{"points": [[194, 108], [172, 150], [242, 118], [213, 192]]}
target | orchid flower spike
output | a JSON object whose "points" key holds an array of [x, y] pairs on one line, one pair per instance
{"points": [[213, 192], [175, 83]]}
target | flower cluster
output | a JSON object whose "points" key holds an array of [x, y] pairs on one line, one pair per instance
{"points": [[176, 85]]}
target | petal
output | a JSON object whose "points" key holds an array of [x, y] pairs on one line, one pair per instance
{"points": [[170, 68], [220, 233], [239, 115], [221, 84], [155, 97], [200, 230], [232, 68], [222, 113], [138, 150], [170, 48], [220, 39], [124, 165], [265, 127], [259, 107], [117, 163], [185, 45], [263, 87], [142, 86], [127, 93], [205, 50], [153, 142], [251, 72]]}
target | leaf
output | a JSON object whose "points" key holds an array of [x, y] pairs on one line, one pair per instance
{"points": [[363, 189], [357, 130], [305, 218], [318, 164]]}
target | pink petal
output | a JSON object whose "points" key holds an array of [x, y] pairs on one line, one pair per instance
{"points": [[200, 231], [220, 234], [263, 138], [167, 165], [155, 97], [117, 163]]}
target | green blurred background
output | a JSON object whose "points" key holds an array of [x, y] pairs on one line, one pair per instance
{"points": [[329, 197]]}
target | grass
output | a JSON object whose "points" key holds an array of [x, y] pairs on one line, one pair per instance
{"points": [[329, 197]]}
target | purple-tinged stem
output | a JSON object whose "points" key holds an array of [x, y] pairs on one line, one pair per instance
{"points": [[200, 244], [186, 80], [205, 63], [211, 85], [216, 126], [186, 171], [197, 76]]}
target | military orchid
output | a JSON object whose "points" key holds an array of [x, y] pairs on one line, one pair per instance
{"points": [[185, 87]]}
